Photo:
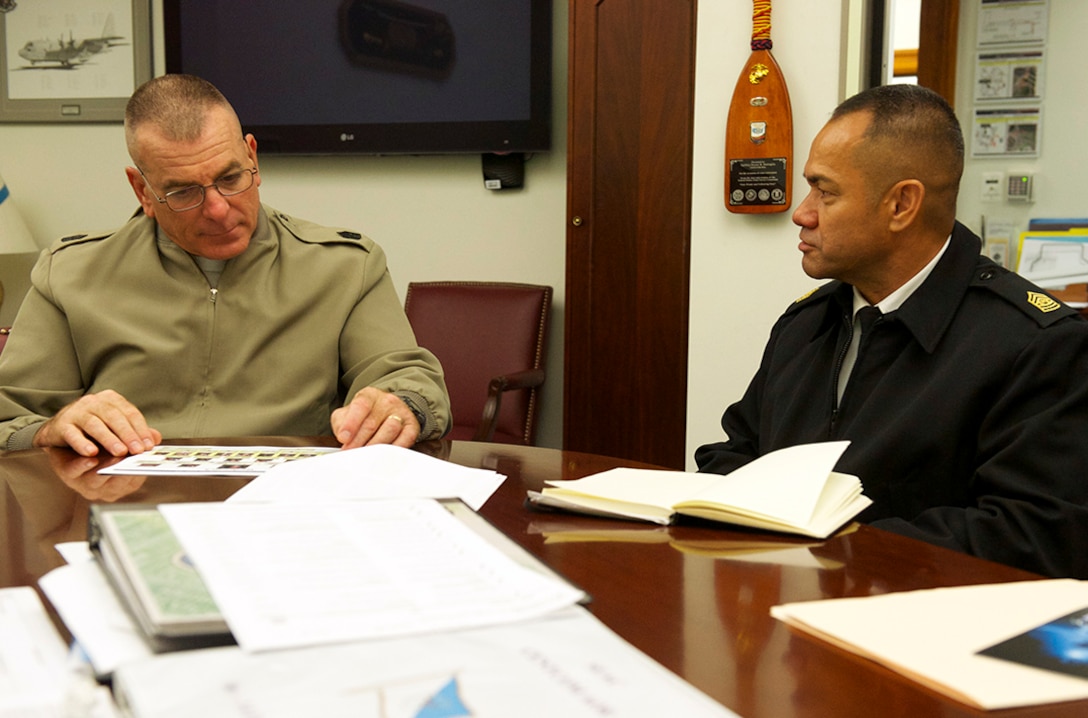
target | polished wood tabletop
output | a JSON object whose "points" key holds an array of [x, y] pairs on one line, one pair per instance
{"points": [[695, 597]]}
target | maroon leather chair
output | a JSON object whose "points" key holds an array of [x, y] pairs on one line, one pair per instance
{"points": [[4, 331], [490, 338]]}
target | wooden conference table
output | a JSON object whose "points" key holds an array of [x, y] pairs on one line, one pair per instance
{"points": [[696, 597]]}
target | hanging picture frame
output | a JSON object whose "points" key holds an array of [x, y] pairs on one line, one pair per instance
{"points": [[72, 60]]}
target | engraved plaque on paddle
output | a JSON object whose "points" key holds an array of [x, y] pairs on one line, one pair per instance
{"points": [[759, 182]]}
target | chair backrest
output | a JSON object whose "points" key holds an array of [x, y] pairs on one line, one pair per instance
{"points": [[481, 330], [4, 331]]}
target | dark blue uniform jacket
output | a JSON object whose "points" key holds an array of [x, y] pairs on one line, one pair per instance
{"points": [[967, 411]]}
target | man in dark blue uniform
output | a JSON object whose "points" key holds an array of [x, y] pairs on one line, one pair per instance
{"points": [[962, 386]]}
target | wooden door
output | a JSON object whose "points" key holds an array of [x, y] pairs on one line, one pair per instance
{"points": [[937, 46], [631, 95]]}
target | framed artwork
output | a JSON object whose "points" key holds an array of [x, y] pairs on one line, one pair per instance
{"points": [[72, 60]]}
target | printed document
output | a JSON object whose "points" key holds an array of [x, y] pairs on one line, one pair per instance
{"points": [[170, 460], [568, 664], [286, 576], [371, 472]]}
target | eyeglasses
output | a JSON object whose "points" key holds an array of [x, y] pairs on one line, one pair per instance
{"points": [[186, 198]]}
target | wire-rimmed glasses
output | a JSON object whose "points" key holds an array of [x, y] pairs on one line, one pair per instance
{"points": [[186, 198]]}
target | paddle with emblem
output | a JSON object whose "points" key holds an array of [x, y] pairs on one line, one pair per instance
{"points": [[759, 130]]}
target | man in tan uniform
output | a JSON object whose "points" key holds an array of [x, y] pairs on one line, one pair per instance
{"points": [[210, 314]]}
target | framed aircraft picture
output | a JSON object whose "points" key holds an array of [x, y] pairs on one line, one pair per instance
{"points": [[72, 60]]}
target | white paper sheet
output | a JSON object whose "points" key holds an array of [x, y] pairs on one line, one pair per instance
{"points": [[286, 576], [38, 677], [371, 472], [75, 551], [91, 611], [566, 665], [32, 655]]}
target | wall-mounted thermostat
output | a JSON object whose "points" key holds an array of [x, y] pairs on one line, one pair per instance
{"points": [[993, 186], [1018, 187]]}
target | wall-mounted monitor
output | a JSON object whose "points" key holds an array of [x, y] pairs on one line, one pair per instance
{"points": [[374, 76]]}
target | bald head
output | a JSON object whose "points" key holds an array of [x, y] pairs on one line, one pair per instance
{"points": [[912, 133], [177, 106]]}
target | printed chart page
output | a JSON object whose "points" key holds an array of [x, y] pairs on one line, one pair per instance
{"points": [[567, 664]]}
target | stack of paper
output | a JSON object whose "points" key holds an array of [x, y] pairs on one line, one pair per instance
{"points": [[37, 678], [151, 573], [935, 636], [287, 576], [318, 530], [399, 606], [91, 610]]}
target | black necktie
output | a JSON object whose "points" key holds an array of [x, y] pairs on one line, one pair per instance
{"points": [[868, 316], [864, 321]]}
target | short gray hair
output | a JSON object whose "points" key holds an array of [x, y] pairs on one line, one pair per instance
{"points": [[176, 104]]}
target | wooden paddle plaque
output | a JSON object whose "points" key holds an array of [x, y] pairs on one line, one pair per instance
{"points": [[759, 129]]}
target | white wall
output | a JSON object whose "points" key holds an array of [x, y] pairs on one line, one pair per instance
{"points": [[432, 215], [746, 269]]}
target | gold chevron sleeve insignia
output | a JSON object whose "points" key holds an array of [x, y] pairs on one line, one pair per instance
{"points": [[1042, 302]]}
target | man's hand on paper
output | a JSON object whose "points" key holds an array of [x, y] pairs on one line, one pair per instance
{"points": [[105, 419], [375, 417]]}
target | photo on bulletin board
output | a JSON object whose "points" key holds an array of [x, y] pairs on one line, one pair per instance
{"points": [[72, 60]]}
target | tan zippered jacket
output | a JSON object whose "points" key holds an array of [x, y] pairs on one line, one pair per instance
{"points": [[305, 317]]}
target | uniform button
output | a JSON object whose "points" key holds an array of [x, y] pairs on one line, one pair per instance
{"points": [[987, 274], [350, 235]]}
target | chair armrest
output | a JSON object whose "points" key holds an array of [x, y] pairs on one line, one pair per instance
{"points": [[528, 379]]}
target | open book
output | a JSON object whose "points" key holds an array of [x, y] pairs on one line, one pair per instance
{"points": [[792, 490]]}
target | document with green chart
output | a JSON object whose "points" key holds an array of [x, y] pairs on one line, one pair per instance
{"points": [[150, 570]]}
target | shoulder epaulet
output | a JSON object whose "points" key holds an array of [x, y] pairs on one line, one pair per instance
{"points": [[313, 233], [1022, 294], [80, 238], [812, 296]]}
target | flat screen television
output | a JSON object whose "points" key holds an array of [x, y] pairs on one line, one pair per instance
{"points": [[374, 77]]}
